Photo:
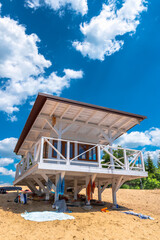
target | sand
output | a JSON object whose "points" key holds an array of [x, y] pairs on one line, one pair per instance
{"points": [[91, 225]]}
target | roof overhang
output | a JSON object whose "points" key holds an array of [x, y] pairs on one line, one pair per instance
{"points": [[82, 116]]}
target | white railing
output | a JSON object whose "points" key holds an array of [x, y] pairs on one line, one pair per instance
{"points": [[59, 151]]}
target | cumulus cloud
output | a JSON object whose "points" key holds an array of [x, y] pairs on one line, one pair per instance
{"points": [[140, 139], [7, 146], [100, 34], [23, 68], [6, 161], [134, 140], [153, 154], [79, 6], [5, 171]]}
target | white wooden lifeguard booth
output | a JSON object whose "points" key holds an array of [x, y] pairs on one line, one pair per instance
{"points": [[66, 138]]}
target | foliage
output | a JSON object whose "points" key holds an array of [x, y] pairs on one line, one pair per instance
{"points": [[149, 165], [158, 162], [151, 183]]}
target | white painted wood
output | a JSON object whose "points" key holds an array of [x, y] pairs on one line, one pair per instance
{"points": [[68, 152], [40, 184], [99, 156], [32, 187], [60, 155], [134, 160], [52, 127], [87, 182], [105, 185], [94, 177], [142, 162], [105, 136], [112, 156], [41, 149], [67, 128], [125, 160]]}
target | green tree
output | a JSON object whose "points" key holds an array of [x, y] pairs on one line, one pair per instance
{"points": [[150, 165], [158, 161]]}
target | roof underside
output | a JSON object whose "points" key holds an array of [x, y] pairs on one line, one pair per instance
{"points": [[88, 121]]}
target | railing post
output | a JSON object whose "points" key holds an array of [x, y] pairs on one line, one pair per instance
{"points": [[126, 163], [35, 151], [99, 156], [41, 151], [68, 152], [111, 158], [27, 160], [142, 161], [17, 172]]}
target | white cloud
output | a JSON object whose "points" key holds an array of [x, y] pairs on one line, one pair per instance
{"points": [[12, 118], [23, 68], [133, 140], [79, 6], [154, 134], [6, 161], [4, 184], [7, 146], [100, 34], [136, 139], [5, 171], [153, 154]]}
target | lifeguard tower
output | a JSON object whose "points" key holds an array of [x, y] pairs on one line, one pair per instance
{"points": [[66, 139]]}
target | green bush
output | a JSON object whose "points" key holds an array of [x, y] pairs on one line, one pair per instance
{"points": [[151, 183], [125, 186]]}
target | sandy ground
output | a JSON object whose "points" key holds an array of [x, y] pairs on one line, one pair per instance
{"points": [[91, 225]]}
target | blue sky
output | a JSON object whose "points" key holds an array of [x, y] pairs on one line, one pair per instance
{"points": [[100, 52]]}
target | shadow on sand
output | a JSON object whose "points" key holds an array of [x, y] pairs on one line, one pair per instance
{"points": [[7, 204]]}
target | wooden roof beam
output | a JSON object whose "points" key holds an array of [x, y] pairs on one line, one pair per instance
{"points": [[65, 111], [77, 115], [54, 109], [91, 116], [104, 118]]}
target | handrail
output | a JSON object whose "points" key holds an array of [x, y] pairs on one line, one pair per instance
{"points": [[129, 163]]}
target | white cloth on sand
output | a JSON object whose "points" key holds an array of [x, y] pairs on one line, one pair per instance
{"points": [[45, 216]]}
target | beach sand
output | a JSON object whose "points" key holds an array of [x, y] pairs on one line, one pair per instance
{"points": [[112, 225]]}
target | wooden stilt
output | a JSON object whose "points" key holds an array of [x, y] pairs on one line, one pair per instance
{"points": [[75, 189], [87, 182], [99, 190], [116, 184]]}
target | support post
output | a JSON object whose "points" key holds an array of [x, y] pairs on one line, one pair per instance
{"points": [[68, 152], [59, 141], [99, 191], [116, 184], [32, 187], [87, 182], [62, 174], [114, 197], [75, 189], [56, 197]]}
